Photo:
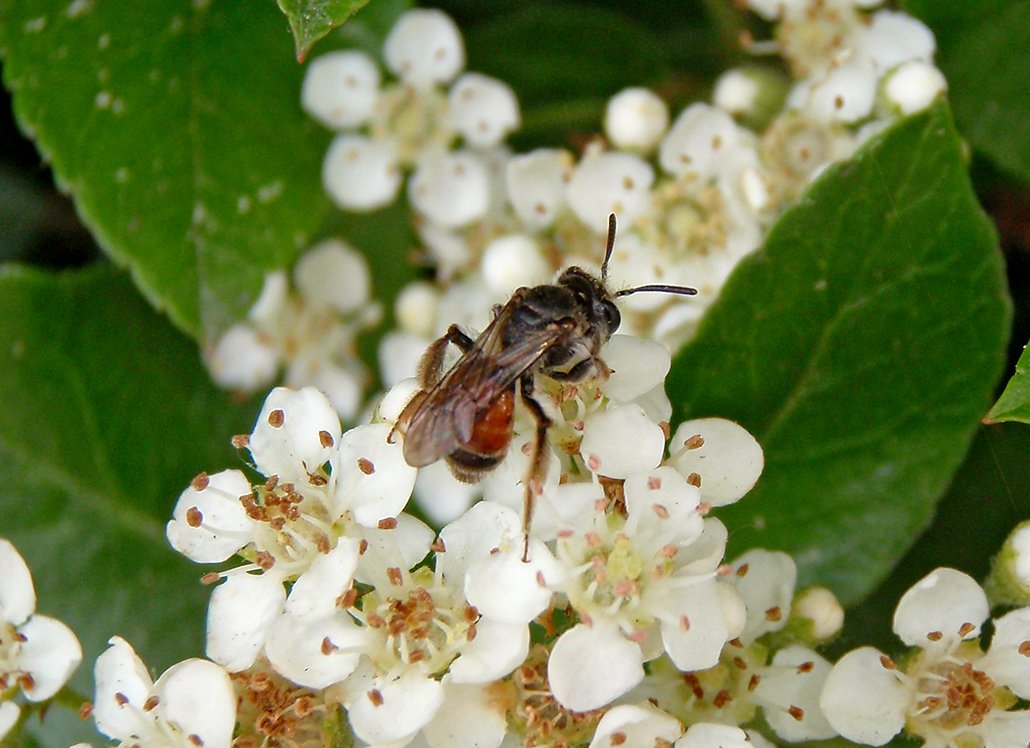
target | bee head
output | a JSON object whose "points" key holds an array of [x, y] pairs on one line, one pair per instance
{"points": [[593, 299]]}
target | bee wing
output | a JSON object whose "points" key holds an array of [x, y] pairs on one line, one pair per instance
{"points": [[446, 417]]}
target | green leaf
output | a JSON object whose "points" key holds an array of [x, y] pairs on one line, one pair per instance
{"points": [[985, 54], [107, 415], [1014, 403], [860, 345], [177, 129], [310, 20], [990, 495]]}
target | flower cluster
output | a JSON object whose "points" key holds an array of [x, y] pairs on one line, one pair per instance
{"points": [[365, 610], [37, 653], [307, 332], [694, 194]]}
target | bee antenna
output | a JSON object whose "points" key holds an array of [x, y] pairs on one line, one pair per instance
{"points": [[661, 288], [608, 249]]}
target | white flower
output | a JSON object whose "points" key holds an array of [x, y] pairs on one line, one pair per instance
{"points": [[482, 109], [631, 581], [191, 704], [361, 174], [621, 440], [242, 360], [892, 38], [341, 88], [424, 48], [846, 94], [335, 274], [950, 692], [323, 485], [636, 119], [37, 653], [471, 716], [613, 182]]}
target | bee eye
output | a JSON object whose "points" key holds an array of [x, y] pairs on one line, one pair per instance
{"points": [[611, 315]]}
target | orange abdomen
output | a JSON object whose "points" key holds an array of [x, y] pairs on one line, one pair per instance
{"points": [[492, 432]]}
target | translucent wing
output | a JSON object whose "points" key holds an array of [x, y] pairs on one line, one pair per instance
{"points": [[446, 416]]}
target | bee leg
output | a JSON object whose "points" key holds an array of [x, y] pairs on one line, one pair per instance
{"points": [[537, 460], [430, 368]]}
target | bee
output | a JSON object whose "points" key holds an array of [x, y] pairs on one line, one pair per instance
{"points": [[466, 414]]}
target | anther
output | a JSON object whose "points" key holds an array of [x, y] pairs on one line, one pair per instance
{"points": [[276, 419], [742, 570], [366, 465], [387, 523], [935, 636], [328, 647], [200, 482], [774, 614], [395, 575], [325, 439], [151, 703], [695, 442], [694, 479], [376, 697], [194, 517], [796, 712]]}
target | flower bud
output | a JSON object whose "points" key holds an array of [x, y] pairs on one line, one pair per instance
{"points": [[636, 119], [821, 607], [1009, 580], [361, 174], [340, 89], [424, 48]]}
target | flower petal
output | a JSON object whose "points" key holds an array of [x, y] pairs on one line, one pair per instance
{"points": [[314, 653], [374, 481], [17, 595], [9, 712], [122, 686], [295, 434], [50, 654], [638, 365], [767, 586], [330, 575], [238, 617], [943, 601], [472, 716], [635, 726], [789, 693], [694, 626], [497, 650], [197, 695], [621, 441], [591, 666], [395, 710], [707, 734], [728, 459], [1007, 661], [225, 526], [864, 701]]}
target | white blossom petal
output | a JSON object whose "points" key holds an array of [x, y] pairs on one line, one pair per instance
{"points": [[483, 109], [635, 726], [399, 356], [1006, 661], [330, 575], [474, 536], [638, 365], [512, 261], [496, 651], [122, 684], [612, 182], [591, 666], [295, 434], [536, 185], [335, 274], [663, 496], [893, 38], [1007, 729], [728, 459], [361, 174], [862, 700], [450, 188], [767, 586], [472, 716], [914, 85], [442, 497], [847, 94], [197, 695], [315, 653], [395, 710], [621, 441], [374, 481], [50, 654], [17, 594], [225, 527], [697, 141], [341, 88], [504, 587], [944, 601], [694, 625], [794, 682], [424, 48], [238, 617], [709, 735]]}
